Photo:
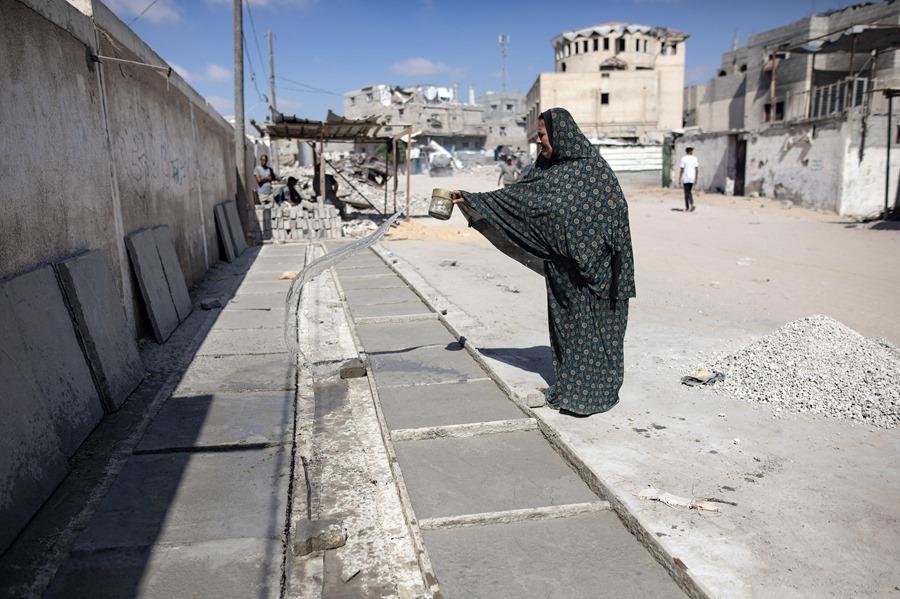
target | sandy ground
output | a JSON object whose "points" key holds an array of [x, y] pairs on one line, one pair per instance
{"points": [[815, 499]]}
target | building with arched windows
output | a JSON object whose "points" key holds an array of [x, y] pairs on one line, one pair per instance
{"points": [[618, 80]]}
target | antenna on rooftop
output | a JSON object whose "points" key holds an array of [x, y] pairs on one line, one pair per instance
{"points": [[504, 44]]}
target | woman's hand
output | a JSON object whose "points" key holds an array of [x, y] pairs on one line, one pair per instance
{"points": [[457, 197]]}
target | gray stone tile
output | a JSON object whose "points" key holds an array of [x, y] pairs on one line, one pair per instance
{"points": [[190, 497], [226, 569], [425, 365], [527, 559], [224, 342], [384, 280], [248, 372], [256, 301], [409, 308], [441, 405], [221, 419], [385, 336], [489, 473], [264, 287], [369, 297], [363, 260], [250, 318]]}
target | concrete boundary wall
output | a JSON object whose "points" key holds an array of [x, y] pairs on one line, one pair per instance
{"points": [[89, 151]]}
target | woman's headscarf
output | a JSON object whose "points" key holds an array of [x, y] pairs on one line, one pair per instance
{"points": [[567, 209]]}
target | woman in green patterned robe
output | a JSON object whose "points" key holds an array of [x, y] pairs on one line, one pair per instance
{"points": [[569, 212]]}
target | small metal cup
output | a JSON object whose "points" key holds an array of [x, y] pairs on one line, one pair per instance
{"points": [[441, 204]]}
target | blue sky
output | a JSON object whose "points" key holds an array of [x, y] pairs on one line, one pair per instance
{"points": [[323, 48]]}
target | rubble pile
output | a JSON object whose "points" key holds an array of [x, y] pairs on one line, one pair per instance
{"points": [[818, 365]]}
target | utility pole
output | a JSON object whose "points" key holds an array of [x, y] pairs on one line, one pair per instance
{"points": [[271, 72], [240, 156], [504, 44]]}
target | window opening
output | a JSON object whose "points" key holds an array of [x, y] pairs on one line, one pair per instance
{"points": [[604, 99]]}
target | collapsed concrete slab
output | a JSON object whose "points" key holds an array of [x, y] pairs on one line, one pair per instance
{"points": [[101, 325], [152, 281], [172, 269]]}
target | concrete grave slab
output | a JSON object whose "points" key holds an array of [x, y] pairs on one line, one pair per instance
{"points": [[231, 568], [31, 458], [172, 268], [425, 365], [441, 405], [221, 419], [384, 336], [525, 559], [251, 372], [192, 497], [297, 250], [372, 297], [223, 342], [250, 318], [101, 325], [267, 286], [224, 233], [267, 274], [396, 309], [60, 371], [365, 273], [256, 302], [238, 239], [153, 284], [366, 260], [375, 281], [489, 473]]}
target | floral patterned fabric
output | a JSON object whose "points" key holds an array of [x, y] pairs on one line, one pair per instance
{"points": [[569, 211]]}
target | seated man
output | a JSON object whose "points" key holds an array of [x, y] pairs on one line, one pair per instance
{"points": [[288, 193], [331, 189]]}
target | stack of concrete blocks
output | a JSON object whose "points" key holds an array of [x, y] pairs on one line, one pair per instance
{"points": [[296, 223]]}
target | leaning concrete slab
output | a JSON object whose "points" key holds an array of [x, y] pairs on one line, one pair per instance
{"points": [[100, 322], [61, 373], [440, 405], [525, 559], [489, 473], [221, 419], [224, 233], [172, 269], [243, 567], [234, 226], [31, 459], [192, 497], [152, 280]]}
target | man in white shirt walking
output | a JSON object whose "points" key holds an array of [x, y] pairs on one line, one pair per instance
{"points": [[690, 170]]}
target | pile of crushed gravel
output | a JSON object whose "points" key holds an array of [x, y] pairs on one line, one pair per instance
{"points": [[818, 365]]}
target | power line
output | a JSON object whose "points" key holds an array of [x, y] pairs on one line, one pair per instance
{"points": [[252, 71], [306, 91], [306, 85], [149, 6], [255, 36]]}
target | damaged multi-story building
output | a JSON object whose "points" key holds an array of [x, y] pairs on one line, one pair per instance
{"points": [[433, 112], [623, 84], [504, 116], [802, 113]]}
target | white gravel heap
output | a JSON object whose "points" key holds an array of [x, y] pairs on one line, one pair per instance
{"points": [[818, 365]]}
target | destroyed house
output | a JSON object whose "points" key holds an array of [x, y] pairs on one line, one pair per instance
{"points": [[433, 111], [802, 113]]}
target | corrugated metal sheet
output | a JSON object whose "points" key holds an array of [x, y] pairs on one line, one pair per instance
{"points": [[632, 158]]}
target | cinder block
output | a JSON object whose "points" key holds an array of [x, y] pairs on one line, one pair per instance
{"points": [[152, 281], [101, 325], [172, 269]]}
